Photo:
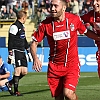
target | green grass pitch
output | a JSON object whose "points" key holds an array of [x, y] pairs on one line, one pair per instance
{"points": [[34, 87]]}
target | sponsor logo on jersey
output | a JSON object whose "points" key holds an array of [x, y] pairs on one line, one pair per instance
{"points": [[22, 35], [61, 35]]}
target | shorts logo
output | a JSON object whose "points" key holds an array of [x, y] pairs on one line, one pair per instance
{"points": [[72, 85]]}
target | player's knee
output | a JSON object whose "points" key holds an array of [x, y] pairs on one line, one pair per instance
{"points": [[24, 73], [70, 94], [1, 83]]}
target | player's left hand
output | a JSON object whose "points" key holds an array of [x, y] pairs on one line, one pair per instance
{"points": [[11, 59]]}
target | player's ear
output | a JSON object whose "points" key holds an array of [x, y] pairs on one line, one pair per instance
{"points": [[64, 8]]}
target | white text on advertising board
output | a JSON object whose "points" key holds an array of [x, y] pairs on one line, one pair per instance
{"points": [[89, 60]]}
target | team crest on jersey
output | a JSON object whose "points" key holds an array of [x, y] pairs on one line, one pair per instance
{"points": [[72, 27], [40, 24]]}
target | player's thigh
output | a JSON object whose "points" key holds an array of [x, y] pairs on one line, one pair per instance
{"points": [[17, 71], [68, 93], [56, 86], [24, 70], [2, 82], [72, 77]]}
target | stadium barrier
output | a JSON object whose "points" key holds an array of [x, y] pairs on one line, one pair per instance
{"points": [[86, 56], [6, 22], [2, 41]]}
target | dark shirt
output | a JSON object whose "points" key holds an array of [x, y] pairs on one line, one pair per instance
{"points": [[17, 38]]}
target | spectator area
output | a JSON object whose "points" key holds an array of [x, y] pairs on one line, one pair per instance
{"points": [[37, 10], [29, 27]]}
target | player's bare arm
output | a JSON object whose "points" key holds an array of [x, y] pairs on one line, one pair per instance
{"points": [[5, 76], [37, 65]]}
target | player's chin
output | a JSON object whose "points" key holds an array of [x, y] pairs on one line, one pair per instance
{"points": [[97, 9], [53, 14]]}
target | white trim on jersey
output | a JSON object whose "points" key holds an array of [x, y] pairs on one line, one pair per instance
{"points": [[13, 29], [33, 38], [85, 31]]}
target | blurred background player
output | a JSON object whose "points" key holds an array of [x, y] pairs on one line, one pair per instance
{"points": [[92, 18], [5, 76]]}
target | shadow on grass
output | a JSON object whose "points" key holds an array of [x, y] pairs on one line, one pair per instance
{"points": [[27, 92], [36, 91], [6, 95]]}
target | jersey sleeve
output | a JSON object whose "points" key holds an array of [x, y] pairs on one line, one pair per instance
{"points": [[86, 17], [12, 32], [39, 34], [81, 27], [13, 29], [7, 68]]}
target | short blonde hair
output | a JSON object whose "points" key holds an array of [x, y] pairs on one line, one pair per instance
{"points": [[21, 13]]}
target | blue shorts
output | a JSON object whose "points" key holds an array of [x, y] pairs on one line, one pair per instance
{"points": [[3, 89]]}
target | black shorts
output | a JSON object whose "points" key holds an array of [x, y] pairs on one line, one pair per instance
{"points": [[20, 58]]}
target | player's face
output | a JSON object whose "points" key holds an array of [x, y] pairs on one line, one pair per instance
{"points": [[57, 8], [24, 19], [96, 5]]}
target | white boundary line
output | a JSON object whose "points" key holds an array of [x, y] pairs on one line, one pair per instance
{"points": [[87, 76]]}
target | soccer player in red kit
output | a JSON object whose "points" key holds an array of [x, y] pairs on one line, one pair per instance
{"points": [[63, 67], [93, 18]]}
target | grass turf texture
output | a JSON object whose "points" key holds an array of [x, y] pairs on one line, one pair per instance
{"points": [[34, 87]]}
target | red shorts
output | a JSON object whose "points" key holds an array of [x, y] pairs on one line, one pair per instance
{"points": [[60, 77]]}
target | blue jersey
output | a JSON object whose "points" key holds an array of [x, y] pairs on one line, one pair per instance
{"points": [[5, 68]]}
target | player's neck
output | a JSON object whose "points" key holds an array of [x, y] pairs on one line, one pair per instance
{"points": [[20, 21], [61, 18]]}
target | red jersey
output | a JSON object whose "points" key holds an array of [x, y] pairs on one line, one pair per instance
{"points": [[90, 18], [62, 38]]}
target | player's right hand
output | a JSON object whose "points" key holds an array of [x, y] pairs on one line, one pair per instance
{"points": [[11, 59], [37, 66]]}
